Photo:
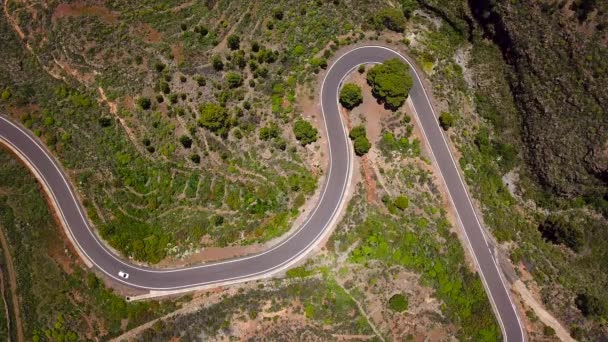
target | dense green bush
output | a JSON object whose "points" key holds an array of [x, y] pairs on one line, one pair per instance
{"points": [[409, 6], [234, 79], [447, 120], [270, 131], [186, 141], [217, 63], [591, 305], [361, 145], [6, 94], [391, 18], [350, 95], [360, 141], [402, 202], [357, 131], [214, 117], [398, 303], [305, 132], [391, 82], [234, 42], [144, 103]]}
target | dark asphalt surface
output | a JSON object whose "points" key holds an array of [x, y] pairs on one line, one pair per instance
{"points": [[307, 235]]}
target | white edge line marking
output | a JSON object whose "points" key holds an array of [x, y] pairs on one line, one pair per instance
{"points": [[468, 198], [304, 251]]}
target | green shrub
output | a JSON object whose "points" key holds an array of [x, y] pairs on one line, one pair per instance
{"points": [[186, 141], [360, 141], [270, 132], [402, 202], [446, 120], [590, 305], [164, 87], [391, 82], [234, 42], [214, 118], [350, 95], [319, 62], [398, 303], [201, 81], [195, 158], [362, 145], [6, 94], [217, 63], [357, 131], [159, 66], [234, 79], [559, 230], [548, 331], [202, 30], [105, 121], [409, 6], [298, 272], [305, 133], [144, 103], [391, 18]]}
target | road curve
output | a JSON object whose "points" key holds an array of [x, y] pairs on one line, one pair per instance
{"points": [[316, 225]]}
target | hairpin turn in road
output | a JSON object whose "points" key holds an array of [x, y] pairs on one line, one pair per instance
{"points": [[318, 223]]}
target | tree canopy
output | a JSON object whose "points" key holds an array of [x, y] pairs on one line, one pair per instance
{"points": [[559, 230], [398, 303], [305, 132], [214, 118], [362, 145], [350, 96], [391, 18], [391, 82]]}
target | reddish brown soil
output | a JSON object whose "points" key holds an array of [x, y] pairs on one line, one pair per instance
{"points": [[76, 9]]}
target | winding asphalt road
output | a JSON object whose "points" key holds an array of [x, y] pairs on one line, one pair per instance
{"points": [[307, 236]]}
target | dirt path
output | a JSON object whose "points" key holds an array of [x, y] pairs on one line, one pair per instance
{"points": [[12, 280]]}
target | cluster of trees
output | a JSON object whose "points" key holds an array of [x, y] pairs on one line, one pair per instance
{"points": [[591, 306], [350, 96], [390, 18], [390, 82], [558, 229], [361, 143], [272, 131], [305, 133]]}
